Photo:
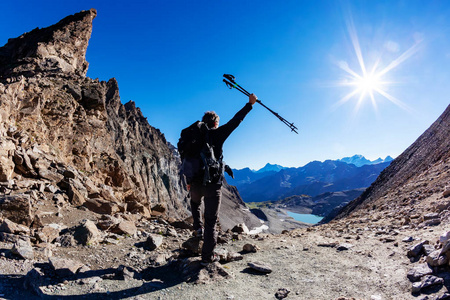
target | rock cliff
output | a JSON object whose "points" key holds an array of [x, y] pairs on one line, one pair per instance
{"points": [[63, 135]]}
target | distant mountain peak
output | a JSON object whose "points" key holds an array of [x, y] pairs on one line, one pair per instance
{"points": [[270, 167], [359, 160]]}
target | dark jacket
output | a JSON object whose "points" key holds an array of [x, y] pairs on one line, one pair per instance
{"points": [[218, 136]]}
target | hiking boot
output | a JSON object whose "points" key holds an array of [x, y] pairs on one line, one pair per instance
{"points": [[199, 233], [213, 259]]}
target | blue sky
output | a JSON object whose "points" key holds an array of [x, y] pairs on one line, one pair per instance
{"points": [[297, 56]]}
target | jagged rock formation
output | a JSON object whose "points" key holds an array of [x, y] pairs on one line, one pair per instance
{"points": [[65, 136], [57, 49], [415, 183], [68, 140]]}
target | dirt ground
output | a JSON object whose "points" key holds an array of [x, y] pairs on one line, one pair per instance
{"points": [[306, 262]]}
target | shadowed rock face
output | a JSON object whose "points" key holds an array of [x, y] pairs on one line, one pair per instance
{"points": [[62, 133]]}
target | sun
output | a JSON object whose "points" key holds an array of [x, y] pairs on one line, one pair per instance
{"points": [[369, 83]]}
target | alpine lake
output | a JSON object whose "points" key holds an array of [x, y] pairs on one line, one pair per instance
{"points": [[305, 218]]}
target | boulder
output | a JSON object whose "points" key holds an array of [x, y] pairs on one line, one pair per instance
{"points": [[444, 237], [49, 233], [34, 280], [23, 249], [171, 232], [344, 246], [75, 196], [427, 281], [17, 208], [66, 240], [101, 206], [435, 259], [125, 227], [417, 249], [417, 272], [87, 233], [6, 168], [428, 249], [107, 222], [153, 242], [193, 245], [158, 210], [138, 208], [50, 175], [240, 228], [12, 238], [126, 273], [65, 267], [11, 227]]}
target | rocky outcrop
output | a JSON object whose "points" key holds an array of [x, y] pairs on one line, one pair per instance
{"points": [[68, 139], [57, 49]]}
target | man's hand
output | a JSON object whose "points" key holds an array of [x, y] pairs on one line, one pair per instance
{"points": [[252, 99]]}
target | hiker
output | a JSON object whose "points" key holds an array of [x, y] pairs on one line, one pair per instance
{"points": [[210, 191]]}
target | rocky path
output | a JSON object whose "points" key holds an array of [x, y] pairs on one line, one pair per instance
{"points": [[327, 262]]}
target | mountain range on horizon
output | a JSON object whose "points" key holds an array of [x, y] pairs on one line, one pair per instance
{"points": [[357, 159], [312, 179]]}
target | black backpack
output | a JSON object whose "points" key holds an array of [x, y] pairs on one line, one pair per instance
{"points": [[197, 155]]}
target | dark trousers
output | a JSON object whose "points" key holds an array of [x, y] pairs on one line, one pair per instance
{"points": [[211, 194]]}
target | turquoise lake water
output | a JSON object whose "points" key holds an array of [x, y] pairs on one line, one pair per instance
{"points": [[306, 218]]}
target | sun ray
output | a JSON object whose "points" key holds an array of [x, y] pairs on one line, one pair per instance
{"points": [[369, 82], [404, 56], [356, 46], [394, 100]]}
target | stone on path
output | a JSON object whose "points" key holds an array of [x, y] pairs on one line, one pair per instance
{"points": [[282, 293], [344, 246], [250, 248], [260, 267]]}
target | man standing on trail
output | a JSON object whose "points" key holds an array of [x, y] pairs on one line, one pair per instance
{"points": [[211, 192]]}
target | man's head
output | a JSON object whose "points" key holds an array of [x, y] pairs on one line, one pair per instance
{"points": [[211, 119]]}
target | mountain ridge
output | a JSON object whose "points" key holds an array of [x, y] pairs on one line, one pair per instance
{"points": [[312, 179]]}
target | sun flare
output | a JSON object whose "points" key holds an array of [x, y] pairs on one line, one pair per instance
{"points": [[370, 85]]}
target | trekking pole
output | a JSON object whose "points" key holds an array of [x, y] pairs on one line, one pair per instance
{"points": [[229, 81]]}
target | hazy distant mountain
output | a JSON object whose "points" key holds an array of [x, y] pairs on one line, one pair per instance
{"points": [[359, 160], [269, 167], [313, 179]]}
